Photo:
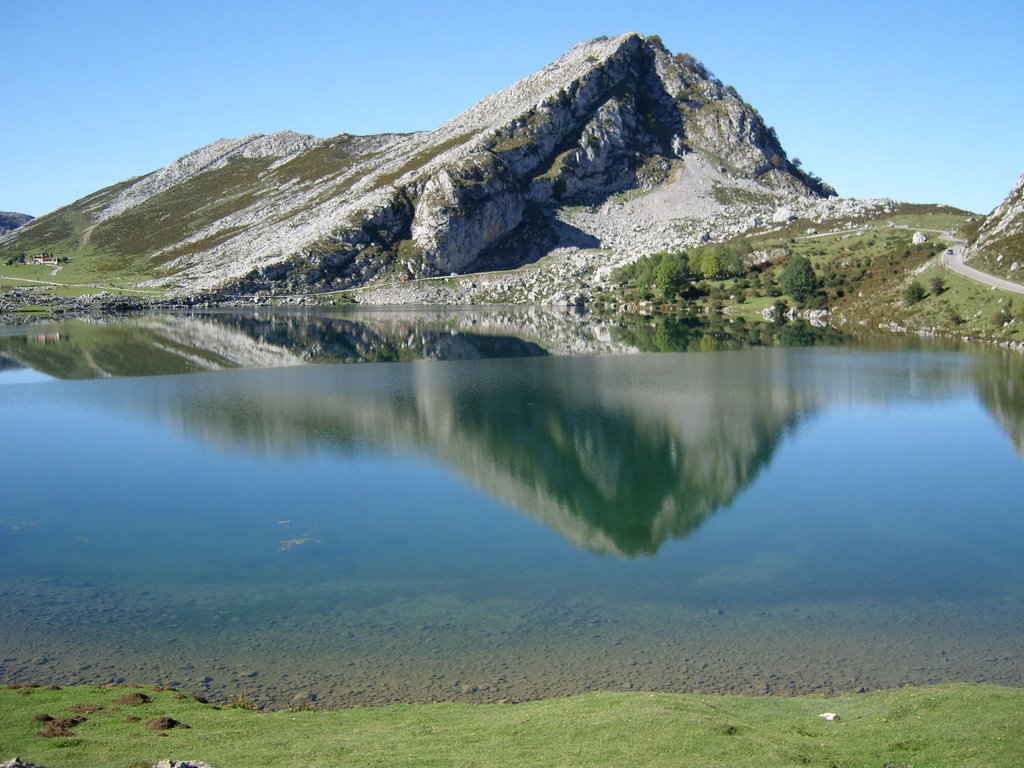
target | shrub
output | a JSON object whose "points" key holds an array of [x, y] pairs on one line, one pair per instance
{"points": [[914, 292], [798, 279], [1005, 314], [953, 315]]}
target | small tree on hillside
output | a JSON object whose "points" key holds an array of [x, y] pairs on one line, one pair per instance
{"points": [[798, 279], [914, 292], [710, 264], [672, 274]]}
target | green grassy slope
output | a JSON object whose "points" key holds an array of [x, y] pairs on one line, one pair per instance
{"points": [[137, 244], [954, 724]]}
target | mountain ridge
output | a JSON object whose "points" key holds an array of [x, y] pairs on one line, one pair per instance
{"points": [[10, 221], [998, 246], [291, 213]]}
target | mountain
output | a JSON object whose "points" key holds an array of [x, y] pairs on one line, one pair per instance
{"points": [[998, 247], [502, 184], [11, 221]]}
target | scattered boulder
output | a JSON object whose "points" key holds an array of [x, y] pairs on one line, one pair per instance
{"points": [[783, 215], [16, 763], [919, 237], [817, 317], [182, 764]]}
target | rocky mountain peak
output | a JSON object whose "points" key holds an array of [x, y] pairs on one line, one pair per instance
{"points": [[490, 187], [1007, 219], [10, 221], [999, 244]]}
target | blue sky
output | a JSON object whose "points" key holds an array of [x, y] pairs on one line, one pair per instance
{"points": [[919, 101]]}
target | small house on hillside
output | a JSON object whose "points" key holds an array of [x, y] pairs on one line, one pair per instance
{"points": [[44, 258]]}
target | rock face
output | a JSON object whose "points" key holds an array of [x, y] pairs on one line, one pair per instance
{"points": [[11, 221], [289, 213], [999, 244], [462, 211]]}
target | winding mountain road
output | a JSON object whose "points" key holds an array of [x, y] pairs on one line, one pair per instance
{"points": [[953, 260]]}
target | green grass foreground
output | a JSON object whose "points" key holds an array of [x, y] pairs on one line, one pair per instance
{"points": [[945, 725]]}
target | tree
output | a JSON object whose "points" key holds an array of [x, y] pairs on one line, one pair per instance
{"points": [[798, 279], [672, 274], [914, 292], [710, 264], [936, 285], [730, 261]]}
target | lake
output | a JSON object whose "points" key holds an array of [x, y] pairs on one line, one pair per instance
{"points": [[504, 506]]}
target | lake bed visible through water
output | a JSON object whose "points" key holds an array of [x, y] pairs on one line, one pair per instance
{"points": [[497, 522]]}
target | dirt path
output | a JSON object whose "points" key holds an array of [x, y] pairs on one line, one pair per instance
{"points": [[33, 281]]}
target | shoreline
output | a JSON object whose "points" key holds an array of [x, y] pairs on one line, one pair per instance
{"points": [[111, 307], [304, 701]]}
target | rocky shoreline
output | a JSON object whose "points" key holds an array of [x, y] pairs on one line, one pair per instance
{"points": [[32, 305]]}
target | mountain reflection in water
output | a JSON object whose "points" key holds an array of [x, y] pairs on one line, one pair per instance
{"points": [[152, 345], [757, 519], [616, 457]]}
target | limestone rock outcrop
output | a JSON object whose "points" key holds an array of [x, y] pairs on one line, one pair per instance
{"points": [[10, 221], [999, 245], [289, 213]]}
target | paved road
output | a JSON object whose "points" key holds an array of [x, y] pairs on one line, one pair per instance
{"points": [[953, 260]]}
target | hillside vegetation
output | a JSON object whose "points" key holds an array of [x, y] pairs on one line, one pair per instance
{"points": [[864, 275]]}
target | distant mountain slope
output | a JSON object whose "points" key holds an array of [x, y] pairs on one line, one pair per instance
{"points": [[291, 213], [998, 247], [11, 221]]}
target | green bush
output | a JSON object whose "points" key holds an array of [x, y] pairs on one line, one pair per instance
{"points": [[914, 292], [798, 279]]}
